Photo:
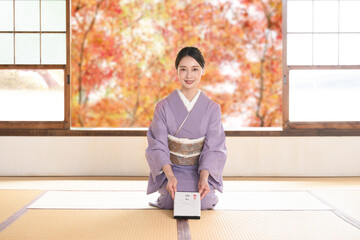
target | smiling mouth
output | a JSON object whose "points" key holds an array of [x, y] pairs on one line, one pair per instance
{"points": [[189, 81]]}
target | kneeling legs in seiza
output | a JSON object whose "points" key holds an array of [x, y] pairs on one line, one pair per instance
{"points": [[166, 202]]}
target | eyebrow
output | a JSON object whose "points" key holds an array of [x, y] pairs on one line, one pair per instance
{"points": [[191, 66]]}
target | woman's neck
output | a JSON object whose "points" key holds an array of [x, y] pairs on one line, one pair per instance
{"points": [[189, 93]]}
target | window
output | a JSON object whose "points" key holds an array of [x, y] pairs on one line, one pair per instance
{"points": [[122, 61], [322, 64], [37, 95], [127, 64], [33, 65], [324, 95]]}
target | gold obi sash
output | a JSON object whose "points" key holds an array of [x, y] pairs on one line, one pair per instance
{"points": [[185, 151]]}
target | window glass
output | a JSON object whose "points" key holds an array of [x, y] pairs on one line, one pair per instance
{"points": [[299, 10], [6, 15], [349, 49], [325, 49], [27, 48], [326, 16], [6, 48], [323, 32], [299, 49], [32, 95], [324, 95], [27, 15], [349, 16], [53, 48], [53, 15], [35, 47]]}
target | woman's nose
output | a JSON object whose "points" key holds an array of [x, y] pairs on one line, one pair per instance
{"points": [[188, 74]]}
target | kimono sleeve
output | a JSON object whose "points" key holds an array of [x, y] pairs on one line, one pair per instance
{"points": [[213, 155], [157, 153]]}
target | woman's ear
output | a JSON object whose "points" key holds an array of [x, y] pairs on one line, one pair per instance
{"points": [[202, 71]]}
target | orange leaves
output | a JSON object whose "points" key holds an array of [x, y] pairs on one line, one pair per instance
{"points": [[124, 62]]}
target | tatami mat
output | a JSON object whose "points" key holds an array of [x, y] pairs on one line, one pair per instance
{"points": [[289, 225], [74, 183], [347, 202], [12, 201], [294, 183], [270, 200], [92, 225], [94, 200], [139, 200], [93, 208]]}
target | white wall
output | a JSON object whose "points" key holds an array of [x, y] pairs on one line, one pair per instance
{"points": [[124, 156]]}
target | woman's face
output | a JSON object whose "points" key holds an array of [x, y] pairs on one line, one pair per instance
{"points": [[189, 72]]}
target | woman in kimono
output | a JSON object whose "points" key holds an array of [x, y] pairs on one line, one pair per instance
{"points": [[186, 140]]}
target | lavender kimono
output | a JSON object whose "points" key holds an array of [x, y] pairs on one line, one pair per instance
{"points": [[204, 120]]}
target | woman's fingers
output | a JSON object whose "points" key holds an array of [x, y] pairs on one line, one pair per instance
{"points": [[204, 192], [203, 189], [201, 192], [171, 191], [171, 186], [175, 190]]}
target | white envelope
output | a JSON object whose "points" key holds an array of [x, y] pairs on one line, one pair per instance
{"points": [[187, 205]]}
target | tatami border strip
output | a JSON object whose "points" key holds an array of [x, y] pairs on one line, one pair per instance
{"points": [[339, 213], [183, 229], [19, 213]]}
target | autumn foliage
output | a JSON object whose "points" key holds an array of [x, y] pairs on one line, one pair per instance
{"points": [[123, 53]]}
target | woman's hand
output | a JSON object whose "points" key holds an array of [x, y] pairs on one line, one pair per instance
{"points": [[171, 186], [172, 182], [203, 184]]}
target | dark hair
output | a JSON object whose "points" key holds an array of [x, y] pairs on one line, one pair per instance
{"points": [[192, 52]]}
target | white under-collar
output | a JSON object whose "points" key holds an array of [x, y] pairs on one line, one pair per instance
{"points": [[189, 105]]}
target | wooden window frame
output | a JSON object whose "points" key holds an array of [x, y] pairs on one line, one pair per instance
{"points": [[315, 125], [289, 129], [42, 124], [6, 125]]}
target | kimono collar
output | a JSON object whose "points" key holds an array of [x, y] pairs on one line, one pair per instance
{"points": [[189, 105], [180, 112]]}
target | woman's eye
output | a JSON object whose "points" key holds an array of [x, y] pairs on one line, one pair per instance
{"points": [[195, 69], [182, 69]]}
